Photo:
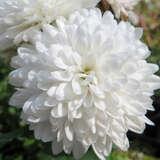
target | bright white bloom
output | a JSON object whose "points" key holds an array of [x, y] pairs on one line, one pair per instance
{"points": [[18, 17], [85, 83], [126, 7]]}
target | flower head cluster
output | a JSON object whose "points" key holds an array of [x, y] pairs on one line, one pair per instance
{"points": [[85, 82], [125, 7], [18, 18]]}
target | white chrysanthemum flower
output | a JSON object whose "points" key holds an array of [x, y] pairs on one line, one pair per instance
{"points": [[18, 17], [85, 83], [126, 7]]}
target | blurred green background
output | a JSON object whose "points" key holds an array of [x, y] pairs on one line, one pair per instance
{"points": [[18, 143]]}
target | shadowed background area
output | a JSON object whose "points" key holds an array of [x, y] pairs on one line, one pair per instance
{"points": [[18, 143]]}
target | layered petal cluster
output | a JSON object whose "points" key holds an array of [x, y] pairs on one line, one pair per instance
{"points": [[85, 83], [125, 7], [19, 17]]}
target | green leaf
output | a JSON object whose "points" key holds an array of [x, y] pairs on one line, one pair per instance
{"points": [[19, 158], [44, 156], [29, 142], [8, 137]]}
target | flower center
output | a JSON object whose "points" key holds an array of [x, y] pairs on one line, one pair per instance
{"points": [[87, 76], [87, 70]]}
